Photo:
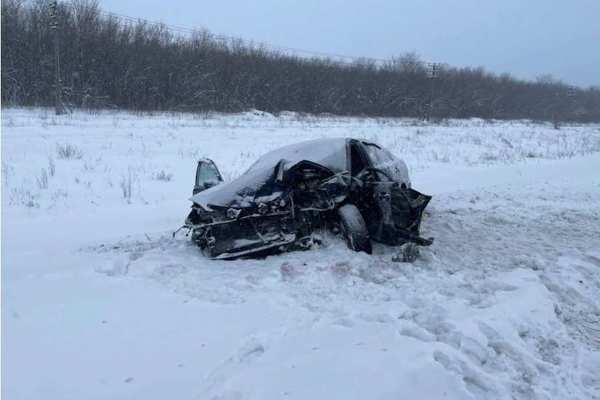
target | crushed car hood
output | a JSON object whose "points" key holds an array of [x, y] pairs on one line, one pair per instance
{"points": [[241, 192]]}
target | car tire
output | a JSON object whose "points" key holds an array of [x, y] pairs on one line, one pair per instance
{"points": [[354, 229]]}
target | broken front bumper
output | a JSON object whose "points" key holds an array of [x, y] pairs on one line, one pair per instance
{"points": [[243, 237]]}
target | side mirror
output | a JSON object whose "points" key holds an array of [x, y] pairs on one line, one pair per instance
{"points": [[207, 175]]}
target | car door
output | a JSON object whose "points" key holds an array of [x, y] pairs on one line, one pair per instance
{"points": [[398, 210], [207, 175]]}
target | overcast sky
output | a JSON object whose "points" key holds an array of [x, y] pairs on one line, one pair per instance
{"points": [[527, 38]]}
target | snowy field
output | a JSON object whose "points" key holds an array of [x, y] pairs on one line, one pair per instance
{"points": [[99, 302]]}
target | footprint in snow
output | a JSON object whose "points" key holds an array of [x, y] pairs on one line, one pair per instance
{"points": [[475, 381], [250, 351]]}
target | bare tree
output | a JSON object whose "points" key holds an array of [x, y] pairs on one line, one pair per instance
{"points": [[113, 62]]}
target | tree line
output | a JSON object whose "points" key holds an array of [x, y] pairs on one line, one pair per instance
{"points": [[109, 62]]}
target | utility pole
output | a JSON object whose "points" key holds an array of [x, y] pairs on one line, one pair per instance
{"points": [[572, 96], [432, 74], [58, 104]]}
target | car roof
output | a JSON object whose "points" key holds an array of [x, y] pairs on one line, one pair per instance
{"points": [[330, 153]]}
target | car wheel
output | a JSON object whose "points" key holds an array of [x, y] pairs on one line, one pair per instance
{"points": [[354, 228]]}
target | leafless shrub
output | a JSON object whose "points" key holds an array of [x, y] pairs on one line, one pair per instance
{"points": [[42, 180], [69, 152], [21, 196], [531, 154], [51, 166], [6, 171], [126, 185], [59, 194], [163, 176]]}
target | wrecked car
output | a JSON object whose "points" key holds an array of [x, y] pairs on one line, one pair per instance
{"points": [[352, 187]]}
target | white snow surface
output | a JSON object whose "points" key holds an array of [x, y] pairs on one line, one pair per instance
{"points": [[99, 302]]}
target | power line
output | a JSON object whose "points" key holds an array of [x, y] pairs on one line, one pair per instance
{"points": [[292, 51], [186, 30]]}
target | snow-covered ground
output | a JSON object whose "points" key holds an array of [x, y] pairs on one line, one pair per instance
{"points": [[99, 302]]}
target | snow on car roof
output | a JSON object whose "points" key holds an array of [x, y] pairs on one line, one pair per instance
{"points": [[330, 153]]}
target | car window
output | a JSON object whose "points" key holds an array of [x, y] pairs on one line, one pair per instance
{"points": [[384, 160], [379, 157], [207, 172]]}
